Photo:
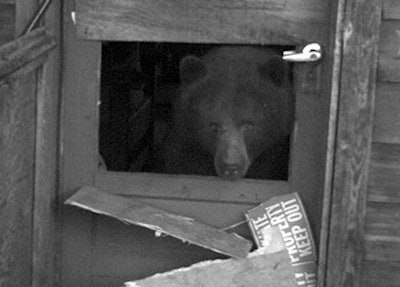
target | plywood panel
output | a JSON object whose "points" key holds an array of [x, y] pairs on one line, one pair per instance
{"points": [[174, 224], [239, 21], [134, 252]]}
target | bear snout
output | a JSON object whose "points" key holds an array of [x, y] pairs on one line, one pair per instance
{"points": [[231, 172], [231, 159]]}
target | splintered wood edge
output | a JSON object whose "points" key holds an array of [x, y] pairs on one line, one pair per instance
{"points": [[181, 227], [259, 268]]}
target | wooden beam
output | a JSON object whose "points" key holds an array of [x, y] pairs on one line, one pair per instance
{"points": [[188, 187], [24, 50], [259, 270], [359, 22], [46, 225], [17, 151], [203, 21], [184, 228]]}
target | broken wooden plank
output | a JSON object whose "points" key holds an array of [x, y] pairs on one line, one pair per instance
{"points": [[258, 270], [184, 228], [24, 50]]}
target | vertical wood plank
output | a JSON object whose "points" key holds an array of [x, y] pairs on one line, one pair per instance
{"points": [[24, 11], [7, 22], [360, 30], [45, 225], [308, 152], [17, 125], [78, 163]]}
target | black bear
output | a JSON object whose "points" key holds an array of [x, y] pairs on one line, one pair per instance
{"points": [[233, 115]]}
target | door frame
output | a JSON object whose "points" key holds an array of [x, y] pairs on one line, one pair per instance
{"points": [[349, 29]]}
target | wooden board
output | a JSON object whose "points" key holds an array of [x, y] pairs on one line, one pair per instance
{"points": [[46, 219], [7, 22], [383, 219], [210, 21], [382, 248], [260, 270], [17, 149], [387, 115], [384, 180], [378, 273], [190, 187], [20, 52], [78, 147], [184, 228], [391, 9], [359, 24], [389, 52]]}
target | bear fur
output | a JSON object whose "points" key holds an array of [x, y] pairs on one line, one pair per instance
{"points": [[233, 115]]}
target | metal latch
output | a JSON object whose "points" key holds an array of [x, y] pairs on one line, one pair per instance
{"points": [[310, 53]]}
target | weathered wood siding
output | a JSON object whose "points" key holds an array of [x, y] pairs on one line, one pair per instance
{"points": [[382, 223], [7, 21], [29, 99]]}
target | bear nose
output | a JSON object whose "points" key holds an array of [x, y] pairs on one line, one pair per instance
{"points": [[231, 172]]}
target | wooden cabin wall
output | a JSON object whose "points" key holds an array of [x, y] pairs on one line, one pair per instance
{"points": [[7, 21], [29, 116], [382, 223]]}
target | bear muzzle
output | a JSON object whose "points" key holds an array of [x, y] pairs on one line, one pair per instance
{"points": [[231, 172], [231, 159]]}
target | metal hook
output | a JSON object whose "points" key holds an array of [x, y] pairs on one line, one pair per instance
{"points": [[310, 53]]}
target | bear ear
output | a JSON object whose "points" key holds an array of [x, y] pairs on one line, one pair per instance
{"points": [[275, 70], [191, 68]]}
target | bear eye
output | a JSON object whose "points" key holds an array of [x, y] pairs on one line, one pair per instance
{"points": [[248, 125], [214, 127]]}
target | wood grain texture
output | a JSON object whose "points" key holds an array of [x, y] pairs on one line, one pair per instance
{"points": [[202, 21], [78, 134], [271, 269], [12, 2], [378, 273], [20, 52], [7, 22], [360, 30], [182, 187], [17, 127], [382, 248], [383, 219], [184, 228], [46, 221], [389, 52], [308, 148], [384, 178], [24, 11], [391, 9], [387, 113]]}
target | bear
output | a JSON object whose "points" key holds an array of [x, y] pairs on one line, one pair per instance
{"points": [[232, 116]]}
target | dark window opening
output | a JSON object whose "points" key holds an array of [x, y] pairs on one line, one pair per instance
{"points": [[139, 83]]}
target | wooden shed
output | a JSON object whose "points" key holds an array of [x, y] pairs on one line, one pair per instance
{"points": [[344, 157]]}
